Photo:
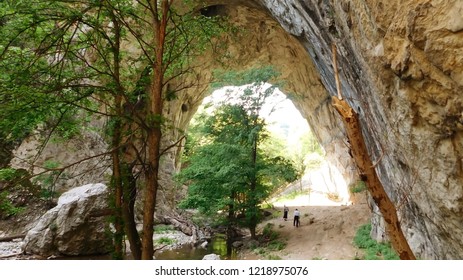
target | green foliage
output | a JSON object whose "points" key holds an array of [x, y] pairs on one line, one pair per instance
{"points": [[273, 257], [373, 249], [226, 169], [53, 227], [61, 59], [7, 208], [276, 245], [358, 187], [8, 174], [268, 233], [47, 181], [165, 241], [269, 242]]}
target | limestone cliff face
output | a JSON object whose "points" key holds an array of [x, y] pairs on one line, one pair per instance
{"points": [[401, 69]]}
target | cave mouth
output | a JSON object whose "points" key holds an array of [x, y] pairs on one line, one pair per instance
{"points": [[260, 41], [291, 137]]}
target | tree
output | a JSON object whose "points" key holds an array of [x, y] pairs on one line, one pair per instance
{"points": [[116, 58], [229, 172], [367, 170]]}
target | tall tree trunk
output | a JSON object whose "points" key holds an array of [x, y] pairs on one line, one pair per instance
{"points": [[116, 144], [152, 167], [152, 184], [128, 211], [231, 223], [253, 200], [117, 185], [154, 122]]}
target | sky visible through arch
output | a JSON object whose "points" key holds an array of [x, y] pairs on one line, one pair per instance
{"points": [[286, 122], [282, 117]]}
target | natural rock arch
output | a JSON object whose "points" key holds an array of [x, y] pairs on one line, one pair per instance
{"points": [[394, 73], [400, 65]]}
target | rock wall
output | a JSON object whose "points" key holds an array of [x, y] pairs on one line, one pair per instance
{"points": [[80, 153], [401, 68], [262, 41]]}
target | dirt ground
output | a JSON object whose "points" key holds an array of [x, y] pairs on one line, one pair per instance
{"points": [[326, 231]]}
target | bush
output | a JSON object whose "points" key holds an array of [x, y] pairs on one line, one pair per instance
{"points": [[276, 245], [358, 187], [373, 250], [268, 233], [270, 243], [7, 208], [273, 257]]}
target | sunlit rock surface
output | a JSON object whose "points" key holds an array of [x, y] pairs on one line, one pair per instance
{"points": [[401, 69]]}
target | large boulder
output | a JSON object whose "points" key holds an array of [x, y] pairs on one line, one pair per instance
{"points": [[78, 225]]}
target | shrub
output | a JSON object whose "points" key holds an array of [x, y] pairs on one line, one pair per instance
{"points": [[273, 257], [358, 187], [7, 208], [268, 233], [373, 250], [276, 245]]}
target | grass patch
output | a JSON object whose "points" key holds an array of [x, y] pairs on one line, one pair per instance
{"points": [[268, 233], [373, 250], [270, 242], [165, 241], [273, 257], [276, 245]]}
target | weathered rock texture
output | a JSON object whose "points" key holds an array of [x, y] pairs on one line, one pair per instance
{"points": [[401, 69], [80, 153], [78, 225]]}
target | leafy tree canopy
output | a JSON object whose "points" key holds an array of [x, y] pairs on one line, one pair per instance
{"points": [[227, 169]]}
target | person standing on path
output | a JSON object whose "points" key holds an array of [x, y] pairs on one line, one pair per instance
{"points": [[296, 221], [285, 213]]}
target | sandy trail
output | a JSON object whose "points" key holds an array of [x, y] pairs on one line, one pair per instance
{"points": [[326, 232]]}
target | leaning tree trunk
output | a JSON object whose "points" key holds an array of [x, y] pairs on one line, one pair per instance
{"points": [[368, 172], [367, 169]]}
